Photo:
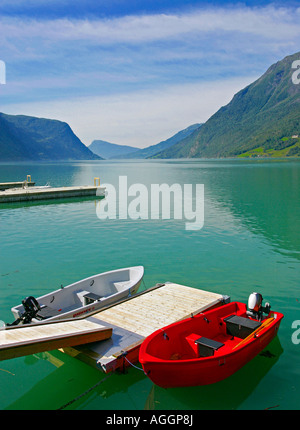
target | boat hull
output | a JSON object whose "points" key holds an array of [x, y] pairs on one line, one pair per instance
{"points": [[72, 301], [204, 370]]}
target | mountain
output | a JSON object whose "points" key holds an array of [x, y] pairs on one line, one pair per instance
{"points": [[30, 138], [110, 150], [263, 119], [152, 150]]}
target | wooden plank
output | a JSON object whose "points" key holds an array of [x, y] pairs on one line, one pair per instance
{"points": [[33, 338], [147, 313]]}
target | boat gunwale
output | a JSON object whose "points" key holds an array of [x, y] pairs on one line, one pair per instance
{"points": [[92, 278]]}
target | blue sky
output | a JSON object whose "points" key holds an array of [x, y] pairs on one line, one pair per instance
{"points": [[135, 72]]}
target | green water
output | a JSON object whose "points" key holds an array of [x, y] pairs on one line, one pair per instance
{"points": [[250, 242]]}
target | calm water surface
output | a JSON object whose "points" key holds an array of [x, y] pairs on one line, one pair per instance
{"points": [[250, 242]]}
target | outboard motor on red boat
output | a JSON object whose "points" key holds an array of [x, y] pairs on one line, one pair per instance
{"points": [[256, 309], [31, 308]]}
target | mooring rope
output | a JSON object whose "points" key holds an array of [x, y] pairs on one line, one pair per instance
{"points": [[85, 393], [136, 367]]}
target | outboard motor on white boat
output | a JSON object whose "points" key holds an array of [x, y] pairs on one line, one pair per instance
{"points": [[255, 307], [31, 307]]}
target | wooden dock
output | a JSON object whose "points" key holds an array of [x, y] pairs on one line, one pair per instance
{"points": [[45, 193], [30, 339], [135, 318]]}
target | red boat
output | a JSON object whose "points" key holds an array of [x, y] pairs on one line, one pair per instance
{"points": [[207, 347]]}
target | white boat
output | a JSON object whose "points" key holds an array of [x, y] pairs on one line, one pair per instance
{"points": [[81, 298]]}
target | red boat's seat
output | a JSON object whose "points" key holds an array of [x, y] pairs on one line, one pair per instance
{"points": [[207, 347], [240, 326]]}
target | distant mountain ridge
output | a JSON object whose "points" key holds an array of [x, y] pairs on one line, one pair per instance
{"points": [[29, 138], [110, 150], [152, 150], [263, 119]]}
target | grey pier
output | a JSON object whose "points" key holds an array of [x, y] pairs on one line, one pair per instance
{"points": [[28, 192]]}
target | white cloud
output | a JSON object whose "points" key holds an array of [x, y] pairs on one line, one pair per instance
{"points": [[270, 22], [138, 119]]}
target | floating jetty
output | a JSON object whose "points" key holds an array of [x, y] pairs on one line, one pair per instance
{"points": [[32, 193], [22, 184], [7, 185], [135, 318]]}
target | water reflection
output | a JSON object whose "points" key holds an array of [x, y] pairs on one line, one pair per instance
{"points": [[228, 394], [74, 385], [54, 173], [262, 194], [264, 197]]}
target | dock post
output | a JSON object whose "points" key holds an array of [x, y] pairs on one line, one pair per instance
{"points": [[95, 180]]}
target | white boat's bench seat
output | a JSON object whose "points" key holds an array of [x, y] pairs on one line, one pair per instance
{"points": [[92, 297], [86, 297], [47, 312]]}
